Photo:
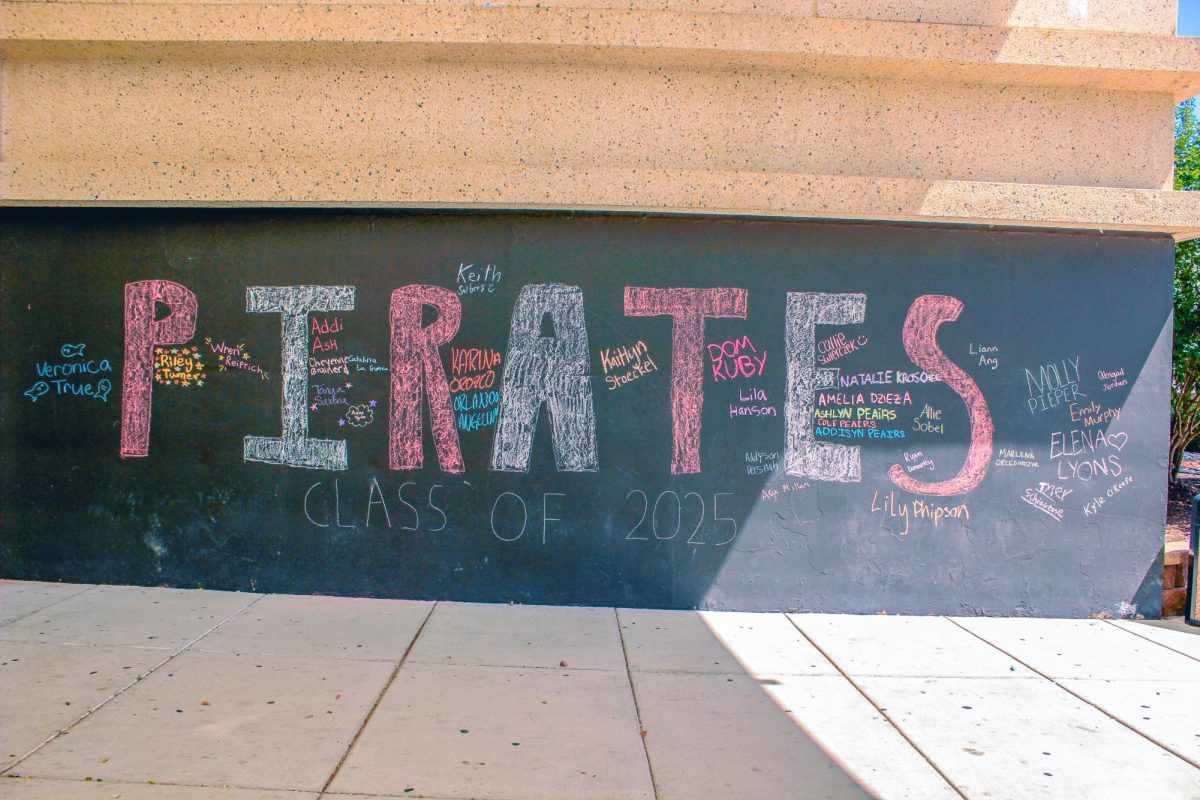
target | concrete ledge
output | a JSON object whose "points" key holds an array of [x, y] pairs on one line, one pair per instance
{"points": [[1122, 61], [648, 190]]}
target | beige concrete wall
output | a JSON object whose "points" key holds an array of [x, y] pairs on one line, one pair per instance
{"points": [[1041, 112]]}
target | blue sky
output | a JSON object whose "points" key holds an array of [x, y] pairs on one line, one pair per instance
{"points": [[1189, 17]]}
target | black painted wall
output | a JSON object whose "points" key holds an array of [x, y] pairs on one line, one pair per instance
{"points": [[1066, 336]]}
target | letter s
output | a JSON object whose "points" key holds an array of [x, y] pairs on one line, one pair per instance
{"points": [[925, 316]]}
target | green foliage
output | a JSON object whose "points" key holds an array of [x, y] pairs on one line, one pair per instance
{"points": [[1185, 421], [1187, 146], [1187, 254]]}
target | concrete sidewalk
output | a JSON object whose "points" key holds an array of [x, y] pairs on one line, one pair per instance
{"points": [[166, 694]]}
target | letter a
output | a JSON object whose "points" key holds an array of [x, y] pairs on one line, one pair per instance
{"points": [[142, 333], [551, 370], [293, 303], [804, 456], [416, 365], [925, 316]]}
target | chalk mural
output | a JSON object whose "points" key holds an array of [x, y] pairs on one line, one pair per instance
{"points": [[843, 417]]}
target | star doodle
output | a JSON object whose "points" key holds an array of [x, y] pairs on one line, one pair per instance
{"points": [[349, 385], [373, 403], [341, 422]]}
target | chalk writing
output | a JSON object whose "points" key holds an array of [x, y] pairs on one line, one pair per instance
{"points": [[804, 456], [838, 346], [234, 357], [474, 368], [471, 361], [551, 371], [1053, 385], [324, 326], [1094, 414], [1042, 503], [416, 369], [915, 462], [179, 366], [1092, 507], [668, 523], [758, 462], [365, 364], [360, 416], [472, 280], [885, 376], [988, 354], [142, 334], [736, 358], [72, 377], [925, 316], [688, 309], [1112, 379], [1067, 448], [633, 362], [293, 447], [1009, 457], [752, 403], [326, 506], [330, 396], [929, 420], [508, 536], [855, 398], [476, 410], [889, 506]]}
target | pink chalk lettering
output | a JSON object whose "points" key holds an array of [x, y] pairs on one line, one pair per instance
{"points": [[416, 367], [925, 316], [688, 308], [142, 333]]}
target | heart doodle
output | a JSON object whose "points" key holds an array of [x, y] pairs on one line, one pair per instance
{"points": [[1113, 437], [37, 390]]}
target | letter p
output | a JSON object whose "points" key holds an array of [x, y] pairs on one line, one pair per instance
{"points": [[142, 333]]}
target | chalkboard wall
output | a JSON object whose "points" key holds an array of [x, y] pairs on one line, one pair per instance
{"points": [[587, 409]]}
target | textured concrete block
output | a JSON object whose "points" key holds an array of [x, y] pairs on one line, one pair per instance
{"points": [[208, 718], [1135, 16], [1028, 739], [890, 645], [503, 734], [738, 736], [46, 687], [322, 627], [20, 598], [129, 615], [719, 643], [1083, 649], [520, 636]]}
